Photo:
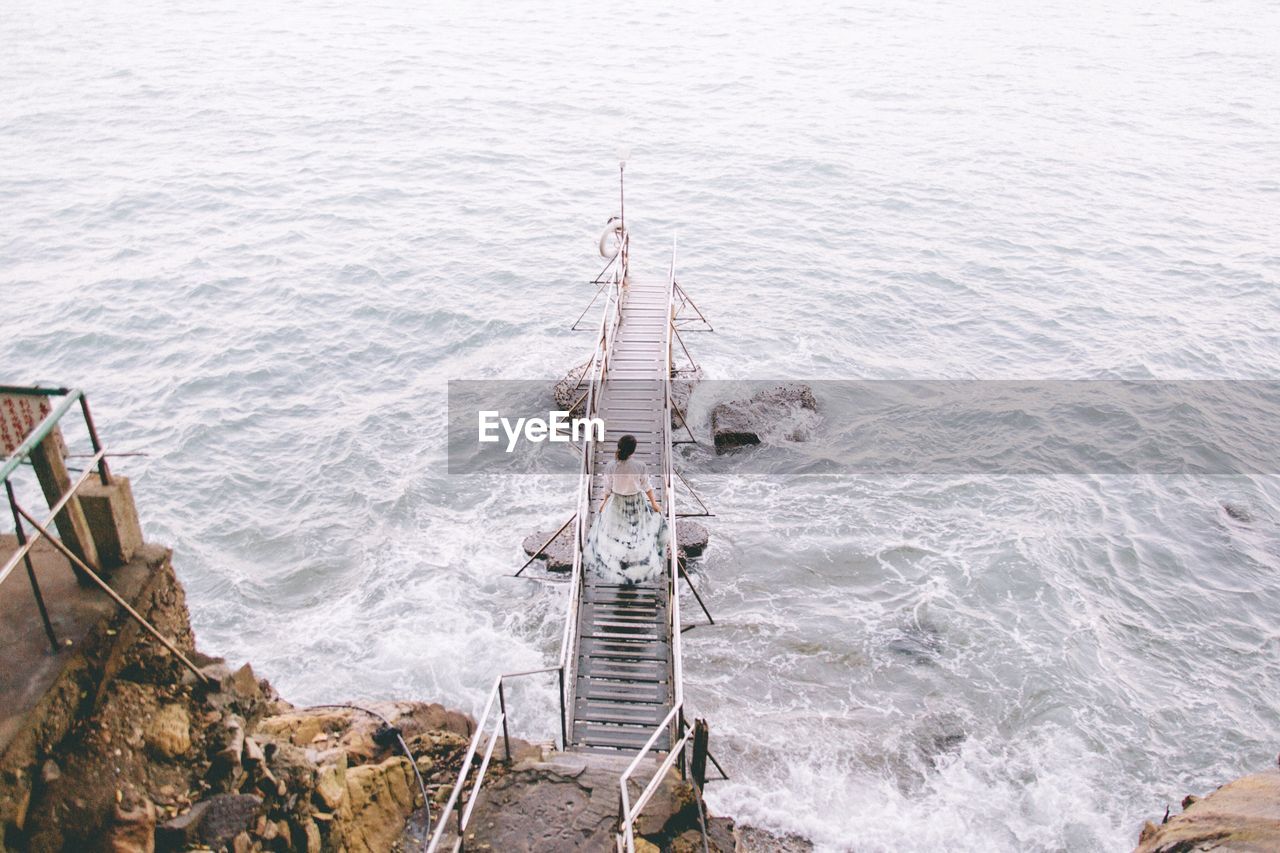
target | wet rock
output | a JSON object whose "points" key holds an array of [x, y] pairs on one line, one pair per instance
{"points": [[169, 732], [741, 423], [919, 641], [245, 683], [1237, 512], [50, 772], [226, 816], [1241, 815], [310, 837], [760, 841], [182, 831], [379, 799], [331, 782], [569, 393], [227, 761], [673, 808], [693, 537], [133, 825], [683, 383], [559, 554], [939, 736], [354, 731]]}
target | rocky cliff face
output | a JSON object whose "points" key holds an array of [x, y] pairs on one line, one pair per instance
{"points": [[133, 752]]}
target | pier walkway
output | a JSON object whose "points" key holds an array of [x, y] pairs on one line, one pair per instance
{"points": [[623, 653], [619, 673]]}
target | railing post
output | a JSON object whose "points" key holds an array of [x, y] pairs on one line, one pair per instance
{"points": [[31, 572], [701, 739], [458, 815], [104, 473], [564, 726], [502, 706]]}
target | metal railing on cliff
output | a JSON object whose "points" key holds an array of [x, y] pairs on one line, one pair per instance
{"points": [[41, 444]]}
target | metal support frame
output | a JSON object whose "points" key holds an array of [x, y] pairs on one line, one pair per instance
{"points": [[685, 574], [97, 464], [31, 571]]}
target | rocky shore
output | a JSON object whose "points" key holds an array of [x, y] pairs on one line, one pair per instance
{"points": [[148, 756], [1242, 815]]}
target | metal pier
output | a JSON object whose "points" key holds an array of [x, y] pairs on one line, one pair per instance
{"points": [[619, 671], [624, 685]]}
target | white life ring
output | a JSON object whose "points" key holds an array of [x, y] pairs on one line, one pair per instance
{"points": [[612, 235]]}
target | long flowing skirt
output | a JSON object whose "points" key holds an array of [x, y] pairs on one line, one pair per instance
{"points": [[628, 541]]}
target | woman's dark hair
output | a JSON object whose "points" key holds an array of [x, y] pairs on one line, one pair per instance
{"points": [[626, 446]]}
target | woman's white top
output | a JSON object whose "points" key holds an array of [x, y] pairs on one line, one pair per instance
{"points": [[626, 477]]}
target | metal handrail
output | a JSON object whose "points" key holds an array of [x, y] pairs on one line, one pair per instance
{"points": [[596, 375], [97, 464], [499, 727], [674, 721], [70, 396]]}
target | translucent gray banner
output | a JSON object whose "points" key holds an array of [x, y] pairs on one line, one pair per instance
{"points": [[870, 427]]}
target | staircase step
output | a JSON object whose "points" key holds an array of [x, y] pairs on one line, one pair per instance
{"points": [[621, 737], [619, 713], [622, 691]]}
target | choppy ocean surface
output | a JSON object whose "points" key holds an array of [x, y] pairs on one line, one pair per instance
{"points": [[264, 238]]}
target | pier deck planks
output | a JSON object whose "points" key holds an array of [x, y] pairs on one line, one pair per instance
{"points": [[624, 669]]}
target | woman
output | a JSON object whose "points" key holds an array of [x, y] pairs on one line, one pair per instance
{"points": [[628, 541]]}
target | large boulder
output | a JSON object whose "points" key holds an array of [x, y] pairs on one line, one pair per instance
{"points": [[1241, 815], [569, 393], [777, 410], [559, 554], [692, 536]]}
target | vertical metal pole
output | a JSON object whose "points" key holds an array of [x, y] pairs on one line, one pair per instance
{"points": [[564, 728], [458, 814], [104, 473], [680, 733], [701, 738], [502, 704], [31, 572], [622, 202]]}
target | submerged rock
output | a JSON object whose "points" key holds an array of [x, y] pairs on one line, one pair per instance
{"points": [[1237, 512], [1241, 815], [741, 423], [760, 841], [559, 554], [570, 392], [692, 536], [920, 641], [683, 383]]}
